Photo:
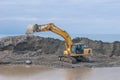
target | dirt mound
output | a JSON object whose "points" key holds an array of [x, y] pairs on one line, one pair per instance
{"points": [[45, 51], [34, 43]]}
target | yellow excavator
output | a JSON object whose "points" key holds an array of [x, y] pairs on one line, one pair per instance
{"points": [[73, 52]]}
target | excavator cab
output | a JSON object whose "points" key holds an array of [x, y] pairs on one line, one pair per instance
{"points": [[77, 48], [78, 52]]}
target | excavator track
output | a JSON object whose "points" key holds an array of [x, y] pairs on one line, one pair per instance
{"points": [[68, 59], [82, 59], [73, 60]]}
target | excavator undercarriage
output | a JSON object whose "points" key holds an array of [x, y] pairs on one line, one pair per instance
{"points": [[73, 60]]}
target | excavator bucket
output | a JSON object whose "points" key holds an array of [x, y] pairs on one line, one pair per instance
{"points": [[31, 29]]}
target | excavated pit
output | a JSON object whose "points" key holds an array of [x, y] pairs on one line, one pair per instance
{"points": [[45, 51]]}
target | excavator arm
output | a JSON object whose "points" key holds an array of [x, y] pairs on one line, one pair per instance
{"points": [[51, 27]]}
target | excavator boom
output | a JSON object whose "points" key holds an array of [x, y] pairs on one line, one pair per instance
{"points": [[51, 27], [57, 30]]}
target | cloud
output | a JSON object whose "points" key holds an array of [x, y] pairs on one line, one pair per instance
{"points": [[18, 18], [42, 2], [22, 2], [95, 13], [69, 20], [84, 20]]}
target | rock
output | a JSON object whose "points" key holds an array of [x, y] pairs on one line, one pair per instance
{"points": [[28, 62]]}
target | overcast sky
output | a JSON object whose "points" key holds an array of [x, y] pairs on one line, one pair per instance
{"points": [[74, 16]]}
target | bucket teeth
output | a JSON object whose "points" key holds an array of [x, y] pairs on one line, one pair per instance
{"points": [[32, 28]]}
